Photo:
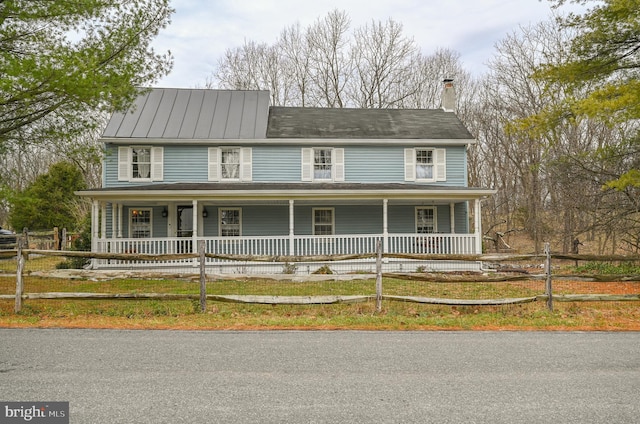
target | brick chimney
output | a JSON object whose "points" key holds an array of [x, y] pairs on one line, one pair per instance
{"points": [[448, 96]]}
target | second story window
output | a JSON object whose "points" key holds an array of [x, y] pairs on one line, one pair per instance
{"points": [[230, 164], [140, 163], [425, 165], [322, 164]]}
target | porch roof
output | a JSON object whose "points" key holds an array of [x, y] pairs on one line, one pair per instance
{"points": [[284, 191]]}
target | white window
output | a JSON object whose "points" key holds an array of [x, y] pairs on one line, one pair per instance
{"points": [[323, 221], [425, 165], [230, 164], [140, 163], [230, 222], [140, 223], [322, 164], [425, 220]]}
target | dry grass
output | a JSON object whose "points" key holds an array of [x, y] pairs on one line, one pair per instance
{"points": [[395, 315]]}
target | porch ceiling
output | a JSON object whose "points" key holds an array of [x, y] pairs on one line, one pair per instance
{"points": [[347, 192]]}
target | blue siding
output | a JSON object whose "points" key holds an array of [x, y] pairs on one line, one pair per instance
{"points": [[188, 163], [277, 164]]}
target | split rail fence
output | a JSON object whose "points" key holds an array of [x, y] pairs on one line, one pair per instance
{"points": [[504, 271]]}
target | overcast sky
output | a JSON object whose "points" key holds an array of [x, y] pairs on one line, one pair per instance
{"points": [[201, 30]]}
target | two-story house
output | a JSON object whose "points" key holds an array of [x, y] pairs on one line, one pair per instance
{"points": [[183, 165]]}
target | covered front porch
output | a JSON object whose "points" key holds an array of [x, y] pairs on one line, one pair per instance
{"points": [[288, 222]]}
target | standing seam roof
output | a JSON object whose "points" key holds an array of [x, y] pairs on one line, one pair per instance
{"points": [[188, 114]]}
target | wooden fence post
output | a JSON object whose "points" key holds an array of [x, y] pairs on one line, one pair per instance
{"points": [[203, 276], [379, 277], [547, 271], [19, 274], [63, 239], [56, 238]]}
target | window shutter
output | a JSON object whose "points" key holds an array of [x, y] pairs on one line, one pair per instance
{"points": [[214, 155], [409, 164], [245, 164], [307, 164], [338, 167], [440, 164], [124, 163], [157, 164]]}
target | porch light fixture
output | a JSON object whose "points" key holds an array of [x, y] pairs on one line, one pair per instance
{"points": [[205, 213], [165, 213]]}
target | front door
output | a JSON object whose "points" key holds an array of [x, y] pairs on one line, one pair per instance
{"points": [[185, 228]]}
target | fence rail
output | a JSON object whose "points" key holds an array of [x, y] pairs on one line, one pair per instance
{"points": [[382, 291]]}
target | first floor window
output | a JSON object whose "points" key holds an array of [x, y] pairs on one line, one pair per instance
{"points": [[322, 222], [425, 220], [140, 223], [230, 222]]}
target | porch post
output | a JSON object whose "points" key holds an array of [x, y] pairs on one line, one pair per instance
{"points": [[103, 220], [194, 233], [120, 209], [114, 224], [452, 217], [94, 225], [385, 225], [94, 230], [478, 225], [292, 244]]}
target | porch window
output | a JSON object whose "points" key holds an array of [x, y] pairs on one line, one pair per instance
{"points": [[323, 222], [230, 164], [137, 163], [230, 222], [322, 164], [140, 223], [425, 220], [425, 165]]}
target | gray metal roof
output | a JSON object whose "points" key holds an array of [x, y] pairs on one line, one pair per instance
{"points": [[298, 122], [203, 114], [169, 113]]}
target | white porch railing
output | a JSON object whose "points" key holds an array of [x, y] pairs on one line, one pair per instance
{"points": [[445, 244]]}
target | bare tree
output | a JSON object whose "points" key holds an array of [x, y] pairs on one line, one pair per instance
{"points": [[383, 60], [327, 65], [330, 62]]}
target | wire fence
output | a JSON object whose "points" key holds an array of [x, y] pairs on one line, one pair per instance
{"points": [[527, 282]]}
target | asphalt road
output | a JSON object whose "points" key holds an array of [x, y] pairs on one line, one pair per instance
{"points": [[325, 377]]}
